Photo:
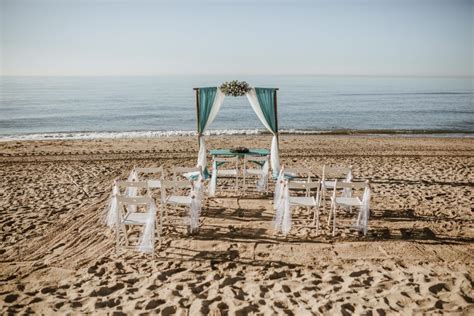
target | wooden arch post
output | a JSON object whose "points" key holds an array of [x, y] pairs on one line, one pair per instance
{"points": [[197, 115], [275, 99]]}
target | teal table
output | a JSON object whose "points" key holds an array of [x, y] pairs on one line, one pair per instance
{"points": [[228, 153]]}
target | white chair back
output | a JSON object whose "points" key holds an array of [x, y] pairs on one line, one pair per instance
{"points": [[298, 173], [336, 172], [228, 160], [187, 173], [185, 186], [140, 188]]}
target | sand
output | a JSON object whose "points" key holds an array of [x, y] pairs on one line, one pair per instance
{"points": [[57, 257]]}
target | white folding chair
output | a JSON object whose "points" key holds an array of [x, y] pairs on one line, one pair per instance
{"points": [[260, 173], [298, 174], [192, 174], [329, 176], [310, 200], [179, 194], [139, 188], [226, 167], [359, 197], [132, 189], [146, 219], [152, 175]]}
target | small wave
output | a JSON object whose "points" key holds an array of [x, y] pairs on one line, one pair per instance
{"points": [[406, 93], [122, 135], [159, 134]]}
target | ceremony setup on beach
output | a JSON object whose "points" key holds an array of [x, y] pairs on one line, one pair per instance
{"points": [[236, 157], [241, 170], [239, 224]]}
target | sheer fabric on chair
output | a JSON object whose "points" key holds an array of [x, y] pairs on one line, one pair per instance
{"points": [[125, 218], [123, 188], [182, 193], [283, 218], [359, 198]]}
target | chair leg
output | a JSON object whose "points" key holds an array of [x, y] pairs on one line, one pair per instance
{"points": [[125, 235], [329, 216], [160, 231], [334, 222], [317, 220], [358, 218], [117, 236]]}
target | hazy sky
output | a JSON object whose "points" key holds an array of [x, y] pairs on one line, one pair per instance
{"points": [[107, 37]]}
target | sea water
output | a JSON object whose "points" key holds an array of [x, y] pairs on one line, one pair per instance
{"points": [[94, 107]]}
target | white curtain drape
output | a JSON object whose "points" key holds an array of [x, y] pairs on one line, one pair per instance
{"points": [[274, 154], [216, 106]]}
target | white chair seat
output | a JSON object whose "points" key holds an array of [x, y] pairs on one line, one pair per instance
{"points": [[329, 184], [181, 200], [302, 201], [154, 184], [135, 219], [348, 201], [225, 172], [253, 171]]}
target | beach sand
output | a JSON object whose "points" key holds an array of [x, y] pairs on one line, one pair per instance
{"points": [[58, 257]]}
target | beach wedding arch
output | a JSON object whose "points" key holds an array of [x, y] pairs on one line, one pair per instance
{"points": [[263, 101]]}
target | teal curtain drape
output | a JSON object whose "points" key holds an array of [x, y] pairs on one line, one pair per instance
{"points": [[206, 99], [266, 98]]}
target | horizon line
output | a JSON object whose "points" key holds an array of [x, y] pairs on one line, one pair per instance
{"points": [[229, 74]]}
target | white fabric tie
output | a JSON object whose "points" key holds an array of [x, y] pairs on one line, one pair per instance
{"points": [[213, 184], [263, 178], [112, 217], [147, 239]]}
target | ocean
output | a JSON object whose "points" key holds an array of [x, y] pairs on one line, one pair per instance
{"points": [[94, 107]]}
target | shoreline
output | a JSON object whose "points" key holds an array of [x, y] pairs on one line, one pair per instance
{"points": [[185, 133]]}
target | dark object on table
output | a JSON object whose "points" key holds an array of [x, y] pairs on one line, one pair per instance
{"points": [[240, 150]]}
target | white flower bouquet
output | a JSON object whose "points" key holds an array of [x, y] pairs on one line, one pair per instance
{"points": [[235, 88]]}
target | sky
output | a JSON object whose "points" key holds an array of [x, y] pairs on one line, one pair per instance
{"points": [[352, 37]]}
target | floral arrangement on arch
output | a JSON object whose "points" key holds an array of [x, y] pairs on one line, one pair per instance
{"points": [[235, 88]]}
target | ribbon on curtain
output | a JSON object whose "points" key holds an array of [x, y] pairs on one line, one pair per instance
{"points": [[210, 102], [262, 101]]}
